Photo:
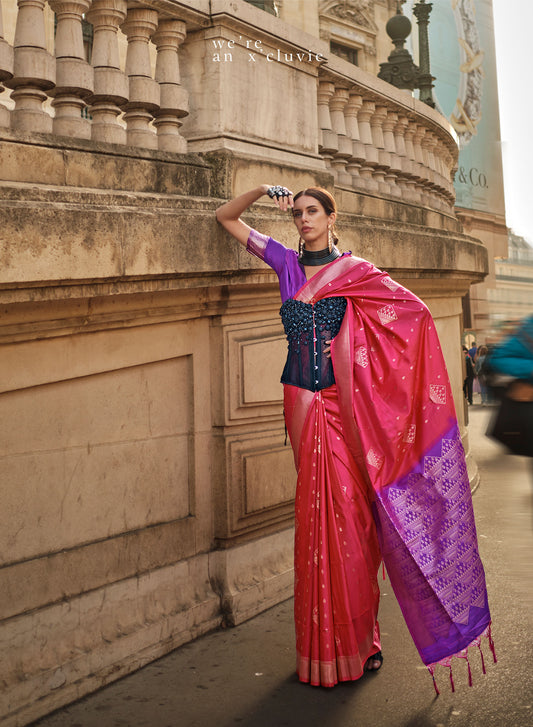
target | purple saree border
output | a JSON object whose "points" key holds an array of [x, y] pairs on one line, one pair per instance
{"points": [[429, 544]]}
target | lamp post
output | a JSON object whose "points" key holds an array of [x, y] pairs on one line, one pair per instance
{"points": [[400, 70], [425, 80]]}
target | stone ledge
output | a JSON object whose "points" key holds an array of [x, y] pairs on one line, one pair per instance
{"points": [[126, 625], [252, 577], [51, 160], [127, 238]]}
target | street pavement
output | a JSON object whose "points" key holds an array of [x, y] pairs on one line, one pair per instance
{"points": [[244, 677]]}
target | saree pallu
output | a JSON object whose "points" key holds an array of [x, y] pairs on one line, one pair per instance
{"points": [[399, 451]]}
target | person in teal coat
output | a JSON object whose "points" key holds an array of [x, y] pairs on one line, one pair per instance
{"points": [[513, 357]]}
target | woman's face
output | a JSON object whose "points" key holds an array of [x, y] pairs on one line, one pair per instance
{"points": [[312, 221]]}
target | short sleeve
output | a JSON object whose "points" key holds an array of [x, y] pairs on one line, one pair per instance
{"points": [[281, 259], [257, 244], [272, 252]]}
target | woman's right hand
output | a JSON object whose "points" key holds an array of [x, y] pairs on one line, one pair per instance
{"points": [[229, 213], [281, 195]]}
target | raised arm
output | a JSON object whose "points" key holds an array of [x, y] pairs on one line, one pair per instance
{"points": [[229, 213]]}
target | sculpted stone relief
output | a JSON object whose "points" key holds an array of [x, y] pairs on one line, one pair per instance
{"points": [[356, 12]]}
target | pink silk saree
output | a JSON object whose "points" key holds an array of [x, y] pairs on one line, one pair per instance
{"points": [[381, 474]]}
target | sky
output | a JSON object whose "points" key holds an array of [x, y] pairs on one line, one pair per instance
{"points": [[513, 24]]}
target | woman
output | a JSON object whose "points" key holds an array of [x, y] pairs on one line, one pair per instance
{"points": [[381, 470]]}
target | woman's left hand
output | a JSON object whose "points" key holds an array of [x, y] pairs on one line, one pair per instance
{"points": [[327, 349]]}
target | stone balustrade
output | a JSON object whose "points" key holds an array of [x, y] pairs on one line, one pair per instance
{"points": [[373, 138], [382, 146], [67, 95]]}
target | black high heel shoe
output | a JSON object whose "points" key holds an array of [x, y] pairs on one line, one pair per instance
{"points": [[378, 656]]}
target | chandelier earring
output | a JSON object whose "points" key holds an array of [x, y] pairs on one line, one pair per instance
{"points": [[300, 246], [330, 239]]}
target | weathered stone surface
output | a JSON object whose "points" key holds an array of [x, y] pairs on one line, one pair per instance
{"points": [[74, 646]]}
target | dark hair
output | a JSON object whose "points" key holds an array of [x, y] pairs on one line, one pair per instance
{"points": [[326, 200]]}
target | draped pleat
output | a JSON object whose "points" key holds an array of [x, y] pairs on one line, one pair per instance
{"points": [[336, 548]]}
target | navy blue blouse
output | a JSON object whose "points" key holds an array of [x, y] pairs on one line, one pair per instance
{"points": [[307, 328]]}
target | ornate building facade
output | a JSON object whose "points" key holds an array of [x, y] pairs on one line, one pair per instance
{"points": [[147, 491], [512, 297]]}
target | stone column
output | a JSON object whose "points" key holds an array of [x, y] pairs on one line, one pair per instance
{"points": [[344, 143], [75, 77], [110, 83], [6, 70], [357, 158], [34, 70], [140, 24], [328, 143], [174, 104], [371, 152]]}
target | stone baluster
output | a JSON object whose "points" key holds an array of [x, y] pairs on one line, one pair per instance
{"points": [[371, 152], [357, 157], [394, 170], [344, 143], [404, 163], [422, 183], [440, 179], [413, 177], [174, 104], [449, 162], [6, 70], [452, 167], [111, 88], [144, 98], [383, 165], [428, 141], [442, 167], [328, 143], [75, 77], [34, 70]]}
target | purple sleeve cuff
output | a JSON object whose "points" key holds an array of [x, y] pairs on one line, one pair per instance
{"points": [[257, 244]]}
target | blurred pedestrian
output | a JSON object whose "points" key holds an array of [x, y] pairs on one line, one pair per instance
{"points": [[481, 374], [468, 384], [513, 357]]}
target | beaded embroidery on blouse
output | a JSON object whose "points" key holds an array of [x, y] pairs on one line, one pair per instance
{"points": [[297, 317]]}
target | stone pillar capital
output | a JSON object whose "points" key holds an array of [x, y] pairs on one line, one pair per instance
{"points": [[339, 99], [170, 34], [140, 24], [367, 110]]}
